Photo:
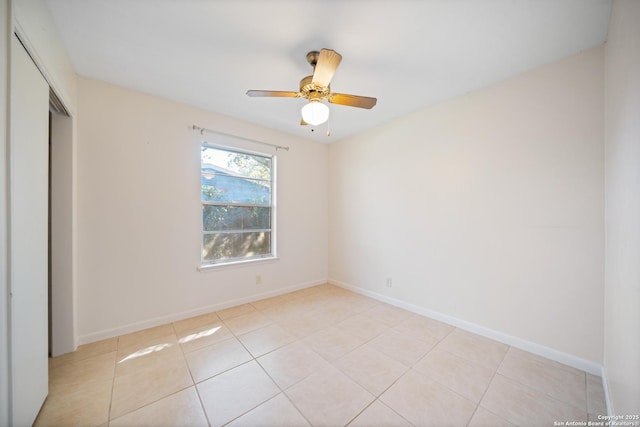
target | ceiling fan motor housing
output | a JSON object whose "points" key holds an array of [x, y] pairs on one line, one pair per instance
{"points": [[310, 90]]}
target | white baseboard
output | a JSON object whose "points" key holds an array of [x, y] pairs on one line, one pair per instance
{"points": [[162, 320], [540, 350]]}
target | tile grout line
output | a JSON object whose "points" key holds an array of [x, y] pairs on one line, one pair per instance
{"points": [[534, 389], [154, 401], [493, 376], [255, 359], [324, 303], [412, 370], [113, 381], [195, 385], [331, 363]]}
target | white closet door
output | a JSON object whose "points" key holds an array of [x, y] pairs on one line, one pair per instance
{"points": [[29, 154]]}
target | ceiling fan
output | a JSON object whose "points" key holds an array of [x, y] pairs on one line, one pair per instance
{"points": [[316, 88]]}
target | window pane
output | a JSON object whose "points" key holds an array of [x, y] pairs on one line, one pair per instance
{"points": [[217, 218], [236, 193], [233, 189], [221, 246], [237, 164]]}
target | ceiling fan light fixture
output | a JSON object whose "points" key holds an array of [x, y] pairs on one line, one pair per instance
{"points": [[316, 88], [315, 112]]}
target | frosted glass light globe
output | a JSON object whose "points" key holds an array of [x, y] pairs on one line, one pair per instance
{"points": [[315, 113]]}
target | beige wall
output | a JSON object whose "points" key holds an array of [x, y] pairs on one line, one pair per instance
{"points": [[622, 178], [139, 213], [487, 208]]}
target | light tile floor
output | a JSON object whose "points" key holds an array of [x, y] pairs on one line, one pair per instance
{"points": [[321, 356]]}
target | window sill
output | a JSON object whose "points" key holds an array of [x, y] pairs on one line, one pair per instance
{"points": [[212, 267]]}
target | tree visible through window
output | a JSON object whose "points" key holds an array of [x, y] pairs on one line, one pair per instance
{"points": [[237, 205]]}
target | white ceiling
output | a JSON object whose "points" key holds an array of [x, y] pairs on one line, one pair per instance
{"points": [[409, 54]]}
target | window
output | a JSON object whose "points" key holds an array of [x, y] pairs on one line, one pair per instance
{"points": [[237, 205]]}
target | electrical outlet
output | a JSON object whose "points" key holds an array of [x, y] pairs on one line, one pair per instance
{"points": [[389, 282], [258, 279]]}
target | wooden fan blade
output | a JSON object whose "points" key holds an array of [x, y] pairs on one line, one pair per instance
{"points": [[352, 100], [303, 123], [273, 93], [326, 67]]}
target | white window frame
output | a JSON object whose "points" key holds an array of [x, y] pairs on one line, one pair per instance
{"points": [[205, 264]]}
